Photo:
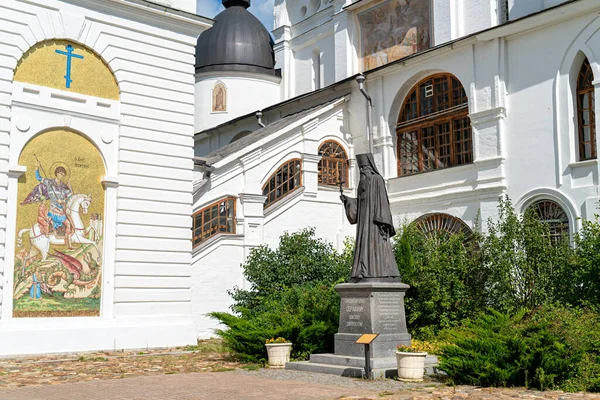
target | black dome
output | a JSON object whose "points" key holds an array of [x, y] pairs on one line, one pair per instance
{"points": [[237, 41]]}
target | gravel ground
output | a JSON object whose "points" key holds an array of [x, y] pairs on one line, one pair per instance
{"points": [[353, 383], [149, 376], [388, 389]]}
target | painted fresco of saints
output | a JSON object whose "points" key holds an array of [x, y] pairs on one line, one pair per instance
{"points": [[392, 30]]}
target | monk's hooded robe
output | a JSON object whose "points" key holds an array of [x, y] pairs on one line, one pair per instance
{"points": [[370, 211]]}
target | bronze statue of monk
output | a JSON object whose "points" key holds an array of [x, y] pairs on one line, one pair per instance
{"points": [[373, 256]]}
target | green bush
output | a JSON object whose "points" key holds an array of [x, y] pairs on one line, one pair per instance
{"points": [[445, 278], [580, 282], [523, 264], [299, 259], [551, 347], [291, 295]]}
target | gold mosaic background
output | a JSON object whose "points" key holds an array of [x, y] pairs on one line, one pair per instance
{"points": [[85, 168], [41, 65]]}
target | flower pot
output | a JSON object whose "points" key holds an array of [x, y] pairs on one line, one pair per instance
{"points": [[410, 366], [279, 354]]}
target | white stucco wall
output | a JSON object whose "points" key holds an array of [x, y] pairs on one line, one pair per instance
{"points": [[216, 263], [523, 121], [245, 93], [146, 139]]}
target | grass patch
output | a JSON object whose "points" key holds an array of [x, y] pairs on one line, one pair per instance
{"points": [[208, 346]]}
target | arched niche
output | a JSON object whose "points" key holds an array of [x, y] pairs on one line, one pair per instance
{"points": [[59, 227], [67, 65], [219, 97]]}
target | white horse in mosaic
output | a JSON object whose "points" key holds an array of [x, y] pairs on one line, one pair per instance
{"points": [[40, 243]]}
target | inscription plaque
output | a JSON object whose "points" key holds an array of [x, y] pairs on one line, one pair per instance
{"points": [[355, 314], [389, 312]]}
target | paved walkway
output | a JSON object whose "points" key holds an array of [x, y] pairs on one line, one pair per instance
{"points": [[266, 385], [209, 385], [205, 372]]}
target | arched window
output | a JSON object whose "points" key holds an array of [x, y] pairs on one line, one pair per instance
{"points": [[285, 180], [216, 218], [552, 214], [333, 167], [434, 129], [432, 225], [585, 113]]}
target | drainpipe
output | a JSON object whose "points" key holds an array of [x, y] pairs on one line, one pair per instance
{"points": [[361, 86], [207, 170], [259, 115]]}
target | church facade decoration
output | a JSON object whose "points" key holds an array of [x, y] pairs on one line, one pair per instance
{"points": [[67, 65], [393, 30], [219, 98], [59, 228]]}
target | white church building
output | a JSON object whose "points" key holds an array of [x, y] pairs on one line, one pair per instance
{"points": [[146, 150]]}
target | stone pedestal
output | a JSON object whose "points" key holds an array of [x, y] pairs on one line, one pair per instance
{"points": [[374, 307]]}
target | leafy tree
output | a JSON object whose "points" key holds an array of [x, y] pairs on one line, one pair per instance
{"points": [[446, 283], [523, 263]]}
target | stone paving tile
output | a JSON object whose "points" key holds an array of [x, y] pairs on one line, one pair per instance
{"points": [[57, 369], [191, 374]]}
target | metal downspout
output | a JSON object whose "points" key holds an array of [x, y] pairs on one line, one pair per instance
{"points": [[361, 86]]}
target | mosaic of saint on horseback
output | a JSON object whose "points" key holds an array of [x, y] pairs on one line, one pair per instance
{"points": [[58, 259]]}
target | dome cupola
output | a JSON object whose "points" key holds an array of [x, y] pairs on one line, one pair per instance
{"points": [[237, 41]]}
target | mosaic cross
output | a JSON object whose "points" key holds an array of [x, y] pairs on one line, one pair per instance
{"points": [[69, 53]]}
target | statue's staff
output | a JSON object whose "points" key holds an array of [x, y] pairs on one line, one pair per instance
{"points": [[341, 183]]}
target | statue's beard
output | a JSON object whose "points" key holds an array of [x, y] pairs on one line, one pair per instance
{"points": [[367, 172]]}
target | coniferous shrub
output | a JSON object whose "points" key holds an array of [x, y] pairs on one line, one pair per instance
{"points": [[552, 347]]}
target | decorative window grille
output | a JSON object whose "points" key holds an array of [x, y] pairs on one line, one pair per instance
{"points": [[552, 214], [285, 180], [217, 218], [333, 167], [438, 225], [586, 119], [434, 130]]}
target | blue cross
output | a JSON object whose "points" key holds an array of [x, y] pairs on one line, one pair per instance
{"points": [[69, 53]]}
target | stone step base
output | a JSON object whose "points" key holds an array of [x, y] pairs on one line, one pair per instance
{"points": [[348, 361], [354, 366], [339, 370]]}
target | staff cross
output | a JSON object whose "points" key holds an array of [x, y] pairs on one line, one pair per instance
{"points": [[69, 53]]}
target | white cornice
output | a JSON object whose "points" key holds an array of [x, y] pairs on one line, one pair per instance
{"points": [[249, 198], [547, 17], [147, 12], [15, 171], [485, 116]]}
